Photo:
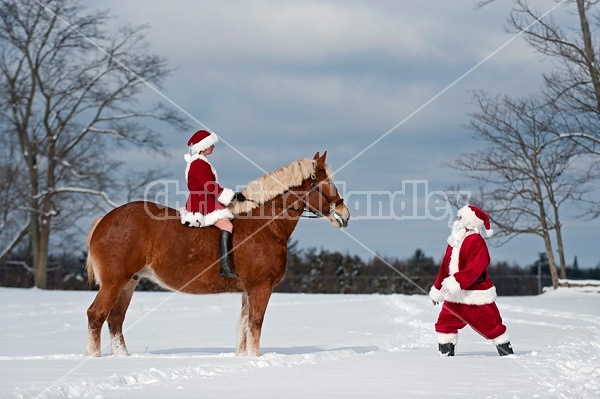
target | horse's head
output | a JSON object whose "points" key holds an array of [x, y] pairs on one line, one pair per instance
{"points": [[323, 197]]}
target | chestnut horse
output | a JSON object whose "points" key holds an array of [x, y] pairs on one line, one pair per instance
{"points": [[147, 240]]}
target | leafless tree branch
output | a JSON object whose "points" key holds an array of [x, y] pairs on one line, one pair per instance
{"points": [[525, 173], [70, 94]]}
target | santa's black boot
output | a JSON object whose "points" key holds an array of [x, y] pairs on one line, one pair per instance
{"points": [[505, 349], [446, 349], [224, 253]]}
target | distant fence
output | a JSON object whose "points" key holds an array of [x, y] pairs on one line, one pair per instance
{"points": [[581, 285], [19, 274], [506, 285]]}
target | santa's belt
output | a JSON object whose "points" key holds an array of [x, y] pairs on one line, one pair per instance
{"points": [[480, 279]]}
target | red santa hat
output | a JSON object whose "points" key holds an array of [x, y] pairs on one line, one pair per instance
{"points": [[200, 141], [475, 219]]}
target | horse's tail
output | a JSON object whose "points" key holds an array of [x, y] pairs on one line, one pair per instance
{"points": [[89, 263]]}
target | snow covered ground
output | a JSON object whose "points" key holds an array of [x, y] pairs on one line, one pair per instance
{"points": [[314, 346]]}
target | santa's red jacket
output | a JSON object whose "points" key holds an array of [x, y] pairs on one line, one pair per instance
{"points": [[464, 271], [207, 201]]}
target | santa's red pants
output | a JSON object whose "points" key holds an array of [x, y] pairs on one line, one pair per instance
{"points": [[484, 319]]}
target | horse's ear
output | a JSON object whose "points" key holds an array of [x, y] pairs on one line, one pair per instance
{"points": [[316, 156], [321, 160]]}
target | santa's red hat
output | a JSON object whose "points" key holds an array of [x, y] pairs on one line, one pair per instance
{"points": [[474, 219], [200, 141]]}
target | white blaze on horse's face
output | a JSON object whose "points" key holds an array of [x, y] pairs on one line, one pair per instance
{"points": [[338, 213], [324, 198], [339, 218]]}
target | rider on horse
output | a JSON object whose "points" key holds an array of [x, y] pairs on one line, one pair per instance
{"points": [[207, 201]]}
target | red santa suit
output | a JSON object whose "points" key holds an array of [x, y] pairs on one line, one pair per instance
{"points": [[464, 285], [207, 201]]}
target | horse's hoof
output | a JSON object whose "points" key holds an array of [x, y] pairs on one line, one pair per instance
{"points": [[119, 349]]}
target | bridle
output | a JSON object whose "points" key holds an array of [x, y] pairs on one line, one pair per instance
{"points": [[332, 204], [315, 213]]}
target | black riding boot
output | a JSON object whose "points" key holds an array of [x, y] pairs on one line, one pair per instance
{"points": [[446, 349], [224, 253], [505, 349]]}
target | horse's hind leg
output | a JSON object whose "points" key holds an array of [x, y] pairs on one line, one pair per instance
{"points": [[97, 314], [117, 316], [243, 327]]}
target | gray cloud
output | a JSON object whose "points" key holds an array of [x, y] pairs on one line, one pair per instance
{"points": [[282, 80]]}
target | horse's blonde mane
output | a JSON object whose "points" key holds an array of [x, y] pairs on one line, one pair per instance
{"points": [[277, 182]]}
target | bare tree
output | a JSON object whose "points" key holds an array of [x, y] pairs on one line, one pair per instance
{"points": [[574, 86], [71, 94], [14, 224], [525, 175]]}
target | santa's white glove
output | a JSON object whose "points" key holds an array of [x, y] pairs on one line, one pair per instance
{"points": [[436, 295], [450, 286]]}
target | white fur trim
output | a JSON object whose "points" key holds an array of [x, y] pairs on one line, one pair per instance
{"points": [[504, 338], [214, 216], [453, 266], [470, 218], [190, 159], [452, 285], [214, 172], [196, 219], [447, 338], [226, 196], [204, 144], [436, 295], [193, 219], [489, 233], [474, 297]]}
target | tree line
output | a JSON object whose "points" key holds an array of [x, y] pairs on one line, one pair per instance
{"points": [[321, 271], [315, 270]]}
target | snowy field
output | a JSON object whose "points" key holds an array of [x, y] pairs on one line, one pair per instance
{"points": [[314, 346]]}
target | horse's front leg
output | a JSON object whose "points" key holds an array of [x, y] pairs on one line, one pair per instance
{"points": [[243, 327], [257, 303]]}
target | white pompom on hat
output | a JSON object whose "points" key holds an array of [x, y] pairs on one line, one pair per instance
{"points": [[475, 219], [200, 141]]}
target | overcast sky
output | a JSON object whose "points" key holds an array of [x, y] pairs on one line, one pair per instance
{"points": [[280, 80]]}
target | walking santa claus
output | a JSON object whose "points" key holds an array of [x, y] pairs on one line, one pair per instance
{"points": [[465, 288]]}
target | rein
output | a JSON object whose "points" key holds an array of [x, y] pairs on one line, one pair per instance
{"points": [[315, 213]]}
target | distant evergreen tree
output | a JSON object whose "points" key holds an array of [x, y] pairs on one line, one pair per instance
{"points": [[542, 263]]}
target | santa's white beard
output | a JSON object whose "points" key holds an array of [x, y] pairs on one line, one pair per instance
{"points": [[457, 233]]}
